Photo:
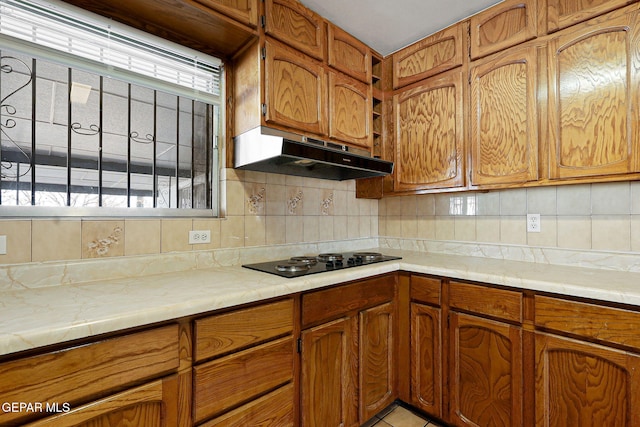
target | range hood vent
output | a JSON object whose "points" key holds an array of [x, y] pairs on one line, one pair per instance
{"points": [[270, 150]]}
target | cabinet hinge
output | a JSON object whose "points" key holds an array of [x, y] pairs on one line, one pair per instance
{"points": [[264, 109], [263, 21], [263, 53], [299, 345]]}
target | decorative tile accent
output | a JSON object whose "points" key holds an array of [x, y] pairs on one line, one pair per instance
{"points": [[255, 202], [294, 203], [101, 246], [326, 203]]}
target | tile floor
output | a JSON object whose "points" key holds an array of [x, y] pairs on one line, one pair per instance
{"points": [[397, 416]]}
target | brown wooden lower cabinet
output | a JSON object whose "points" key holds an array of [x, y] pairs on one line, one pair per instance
{"points": [[153, 404], [585, 384], [486, 372], [347, 360], [478, 355]]}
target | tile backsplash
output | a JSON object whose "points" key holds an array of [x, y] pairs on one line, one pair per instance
{"points": [[260, 209], [602, 216], [268, 209]]}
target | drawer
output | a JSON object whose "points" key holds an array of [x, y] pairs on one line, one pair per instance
{"points": [[426, 289], [85, 372], [500, 303], [273, 409], [241, 377], [223, 333], [592, 321], [328, 304]]}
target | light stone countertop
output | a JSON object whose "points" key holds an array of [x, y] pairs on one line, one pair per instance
{"points": [[35, 317]]}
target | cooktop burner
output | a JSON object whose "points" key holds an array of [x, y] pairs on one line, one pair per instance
{"points": [[302, 265]]}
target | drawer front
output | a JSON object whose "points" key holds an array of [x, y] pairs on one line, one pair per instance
{"points": [[274, 409], [500, 303], [223, 333], [84, 372], [426, 289], [588, 320], [240, 377], [328, 304]]}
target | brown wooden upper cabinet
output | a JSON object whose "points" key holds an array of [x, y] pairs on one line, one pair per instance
{"points": [[350, 106], [504, 118], [564, 13], [503, 25], [295, 90], [348, 54], [430, 56], [430, 134], [245, 11], [292, 23], [593, 97]]}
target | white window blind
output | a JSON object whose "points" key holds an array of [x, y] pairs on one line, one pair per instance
{"points": [[70, 30]]}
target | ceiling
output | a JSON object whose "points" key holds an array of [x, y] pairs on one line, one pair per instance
{"points": [[387, 26]]}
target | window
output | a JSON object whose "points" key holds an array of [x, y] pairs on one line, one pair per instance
{"points": [[101, 117]]}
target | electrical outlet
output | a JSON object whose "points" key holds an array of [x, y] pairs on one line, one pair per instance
{"points": [[533, 223], [3, 245], [197, 237]]}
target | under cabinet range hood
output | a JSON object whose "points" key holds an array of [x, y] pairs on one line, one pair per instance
{"points": [[269, 150]]}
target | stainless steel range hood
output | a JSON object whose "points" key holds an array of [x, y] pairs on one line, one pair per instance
{"points": [[270, 150]]}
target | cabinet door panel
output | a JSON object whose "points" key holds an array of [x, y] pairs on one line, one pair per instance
{"points": [[503, 25], [564, 13], [582, 384], [430, 134], [430, 56], [348, 54], [426, 359], [376, 360], [245, 11], [295, 90], [328, 372], [350, 103], [504, 118], [593, 102], [290, 22], [486, 372]]}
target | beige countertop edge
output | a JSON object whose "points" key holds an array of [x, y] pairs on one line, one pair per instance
{"points": [[38, 317]]}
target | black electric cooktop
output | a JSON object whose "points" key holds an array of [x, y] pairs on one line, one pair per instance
{"points": [[304, 265]]}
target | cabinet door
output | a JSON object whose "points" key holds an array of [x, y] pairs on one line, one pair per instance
{"points": [[350, 110], [503, 25], [564, 13], [376, 360], [593, 99], [504, 118], [430, 134], [348, 54], [245, 11], [486, 372], [328, 375], [290, 22], [426, 359], [583, 384], [296, 90], [154, 404], [430, 56]]}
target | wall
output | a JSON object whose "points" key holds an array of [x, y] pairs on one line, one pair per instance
{"points": [[586, 217], [261, 209]]}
